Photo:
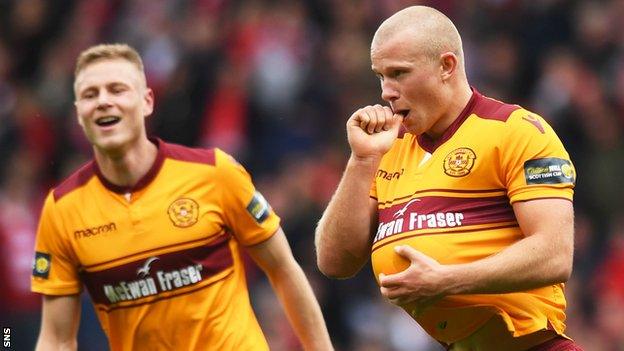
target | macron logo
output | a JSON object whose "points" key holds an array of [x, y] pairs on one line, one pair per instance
{"points": [[401, 212], [534, 121], [93, 231]]}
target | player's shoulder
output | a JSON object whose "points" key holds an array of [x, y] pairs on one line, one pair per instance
{"points": [[491, 109], [213, 157], [206, 156], [524, 123], [515, 118], [75, 181]]}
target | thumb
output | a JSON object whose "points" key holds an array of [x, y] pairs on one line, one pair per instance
{"points": [[415, 256], [393, 123], [408, 252], [396, 121]]}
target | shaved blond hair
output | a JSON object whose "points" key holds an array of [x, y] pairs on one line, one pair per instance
{"points": [[109, 52], [429, 28]]}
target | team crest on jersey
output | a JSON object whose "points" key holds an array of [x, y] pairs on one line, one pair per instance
{"points": [[41, 265], [459, 162], [183, 212]]}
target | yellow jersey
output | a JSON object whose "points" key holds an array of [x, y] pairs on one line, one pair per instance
{"points": [[161, 261], [451, 199]]}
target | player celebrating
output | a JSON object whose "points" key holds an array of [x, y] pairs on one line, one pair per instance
{"points": [[154, 231], [469, 220]]}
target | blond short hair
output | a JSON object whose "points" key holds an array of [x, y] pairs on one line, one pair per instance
{"points": [[109, 52]]}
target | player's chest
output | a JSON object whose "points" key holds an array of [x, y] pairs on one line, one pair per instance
{"points": [[457, 187], [453, 167], [110, 226]]}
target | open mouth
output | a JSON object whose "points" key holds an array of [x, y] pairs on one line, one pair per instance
{"points": [[403, 113], [107, 121]]}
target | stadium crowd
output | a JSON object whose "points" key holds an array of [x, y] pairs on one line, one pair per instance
{"points": [[273, 83]]}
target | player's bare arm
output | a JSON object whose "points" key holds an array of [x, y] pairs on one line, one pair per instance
{"points": [[59, 323], [293, 290], [343, 235], [542, 258]]}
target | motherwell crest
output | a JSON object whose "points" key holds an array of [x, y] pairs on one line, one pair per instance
{"points": [[459, 162], [183, 212]]}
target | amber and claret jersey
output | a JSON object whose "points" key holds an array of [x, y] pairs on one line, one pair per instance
{"points": [[452, 200], [161, 261]]}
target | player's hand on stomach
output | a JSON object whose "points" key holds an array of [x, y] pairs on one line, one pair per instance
{"points": [[371, 131], [419, 285]]}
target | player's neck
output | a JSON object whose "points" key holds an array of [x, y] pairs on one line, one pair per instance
{"points": [[457, 102], [127, 167]]}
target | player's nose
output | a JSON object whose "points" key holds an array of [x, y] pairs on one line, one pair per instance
{"points": [[389, 92], [103, 100]]}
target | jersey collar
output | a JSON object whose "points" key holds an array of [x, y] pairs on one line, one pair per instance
{"points": [[430, 145], [143, 182]]}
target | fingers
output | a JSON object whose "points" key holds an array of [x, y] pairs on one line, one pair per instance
{"points": [[390, 293], [384, 114], [374, 119], [392, 280], [395, 121], [401, 297], [419, 264], [408, 252], [397, 296], [413, 255], [415, 258]]}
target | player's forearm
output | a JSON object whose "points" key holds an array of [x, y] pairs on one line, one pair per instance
{"points": [[50, 343], [302, 309], [530, 263], [59, 323], [343, 233]]}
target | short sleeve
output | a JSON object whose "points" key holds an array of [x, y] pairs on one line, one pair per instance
{"points": [[55, 269], [373, 190], [534, 162], [246, 212]]}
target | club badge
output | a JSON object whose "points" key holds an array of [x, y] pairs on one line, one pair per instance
{"points": [[459, 162], [183, 212]]}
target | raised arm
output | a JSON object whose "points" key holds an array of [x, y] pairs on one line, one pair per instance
{"points": [[59, 323], [293, 290], [344, 233], [542, 258]]}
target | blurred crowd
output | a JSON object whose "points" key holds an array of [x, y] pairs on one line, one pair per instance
{"points": [[273, 82]]}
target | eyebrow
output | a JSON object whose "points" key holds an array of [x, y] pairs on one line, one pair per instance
{"points": [[93, 87], [109, 84], [391, 67]]}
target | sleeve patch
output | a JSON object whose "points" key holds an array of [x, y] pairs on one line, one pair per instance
{"points": [[258, 207], [550, 170], [41, 265]]}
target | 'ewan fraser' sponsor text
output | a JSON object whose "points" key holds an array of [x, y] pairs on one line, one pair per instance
{"points": [[418, 221], [150, 285]]}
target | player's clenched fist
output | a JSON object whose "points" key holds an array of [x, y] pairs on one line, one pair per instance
{"points": [[371, 130]]}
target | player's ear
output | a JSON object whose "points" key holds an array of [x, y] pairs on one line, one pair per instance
{"points": [[448, 65], [148, 102], [77, 115]]}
